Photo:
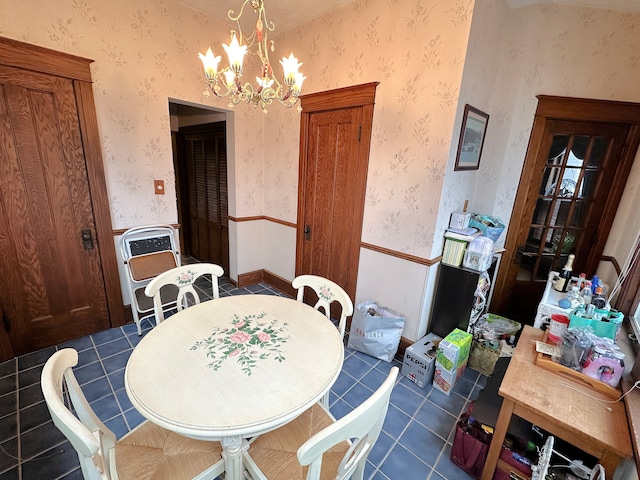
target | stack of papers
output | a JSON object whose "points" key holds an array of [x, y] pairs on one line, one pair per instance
{"points": [[466, 235]]}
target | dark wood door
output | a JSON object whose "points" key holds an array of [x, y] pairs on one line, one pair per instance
{"points": [[334, 157], [571, 185], [202, 167], [51, 282]]}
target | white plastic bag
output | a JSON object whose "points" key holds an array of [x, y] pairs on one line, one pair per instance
{"points": [[375, 330]]}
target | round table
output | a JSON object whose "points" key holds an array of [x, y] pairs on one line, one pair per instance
{"points": [[232, 368]]}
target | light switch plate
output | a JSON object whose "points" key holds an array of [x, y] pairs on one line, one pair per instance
{"points": [[158, 187]]}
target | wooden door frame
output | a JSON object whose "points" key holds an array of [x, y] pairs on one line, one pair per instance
{"points": [[338, 99], [77, 69], [570, 109]]}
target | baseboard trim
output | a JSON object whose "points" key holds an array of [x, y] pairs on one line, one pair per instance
{"points": [[250, 278], [257, 276]]}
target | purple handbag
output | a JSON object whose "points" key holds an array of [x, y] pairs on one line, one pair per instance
{"points": [[470, 446]]}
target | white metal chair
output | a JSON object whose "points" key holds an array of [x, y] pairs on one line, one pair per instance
{"points": [[327, 293], [183, 278], [317, 446], [147, 452], [146, 252]]}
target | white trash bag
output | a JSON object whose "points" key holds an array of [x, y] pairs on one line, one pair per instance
{"points": [[375, 330]]}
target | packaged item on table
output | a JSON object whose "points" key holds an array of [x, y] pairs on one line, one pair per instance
{"points": [[596, 357], [557, 327], [576, 345], [605, 363]]}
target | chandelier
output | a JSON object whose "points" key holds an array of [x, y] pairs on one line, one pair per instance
{"points": [[227, 81]]}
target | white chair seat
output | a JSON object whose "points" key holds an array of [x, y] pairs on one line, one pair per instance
{"points": [[316, 446], [151, 452], [277, 454], [147, 452]]}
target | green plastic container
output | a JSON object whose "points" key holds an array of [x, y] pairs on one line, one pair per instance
{"points": [[608, 326]]}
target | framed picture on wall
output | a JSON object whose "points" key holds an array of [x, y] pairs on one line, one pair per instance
{"points": [[472, 133]]}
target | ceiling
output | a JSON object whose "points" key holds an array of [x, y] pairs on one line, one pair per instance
{"points": [[288, 14], [623, 5], [285, 14]]}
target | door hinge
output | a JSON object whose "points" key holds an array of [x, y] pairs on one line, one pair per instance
{"points": [[359, 132]]}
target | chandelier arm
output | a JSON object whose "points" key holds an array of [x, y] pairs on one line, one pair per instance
{"points": [[237, 19], [288, 104]]}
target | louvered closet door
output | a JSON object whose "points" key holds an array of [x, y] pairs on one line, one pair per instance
{"points": [[205, 198]]}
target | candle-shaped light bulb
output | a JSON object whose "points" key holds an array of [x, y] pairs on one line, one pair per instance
{"points": [[297, 86], [265, 82], [236, 53], [290, 66], [210, 63], [229, 78]]}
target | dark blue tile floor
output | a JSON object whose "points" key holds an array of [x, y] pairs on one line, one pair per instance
{"points": [[415, 443]]}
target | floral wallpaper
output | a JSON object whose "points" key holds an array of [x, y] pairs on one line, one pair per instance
{"points": [[557, 50], [430, 57], [144, 52], [416, 50]]}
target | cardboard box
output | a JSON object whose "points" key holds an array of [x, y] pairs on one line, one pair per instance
{"points": [[451, 360], [460, 220], [453, 350], [445, 380], [419, 360], [453, 252]]}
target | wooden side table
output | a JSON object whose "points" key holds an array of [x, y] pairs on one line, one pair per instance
{"points": [[562, 406]]}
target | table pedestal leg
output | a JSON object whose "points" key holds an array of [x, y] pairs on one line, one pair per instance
{"points": [[498, 439], [232, 454]]}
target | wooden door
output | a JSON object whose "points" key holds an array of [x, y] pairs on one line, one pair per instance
{"points": [[51, 283], [334, 157], [202, 167], [579, 158]]}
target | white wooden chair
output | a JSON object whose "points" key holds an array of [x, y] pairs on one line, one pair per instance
{"points": [[147, 452], [316, 446], [146, 252], [183, 278], [327, 293]]}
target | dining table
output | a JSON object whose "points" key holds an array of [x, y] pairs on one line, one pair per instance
{"points": [[232, 368]]}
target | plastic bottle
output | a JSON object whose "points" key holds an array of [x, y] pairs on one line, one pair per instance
{"points": [[470, 424], [598, 300], [574, 297], [595, 281], [587, 293], [563, 282], [582, 280]]}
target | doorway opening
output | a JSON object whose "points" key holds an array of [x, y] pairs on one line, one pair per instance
{"points": [[201, 159]]}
